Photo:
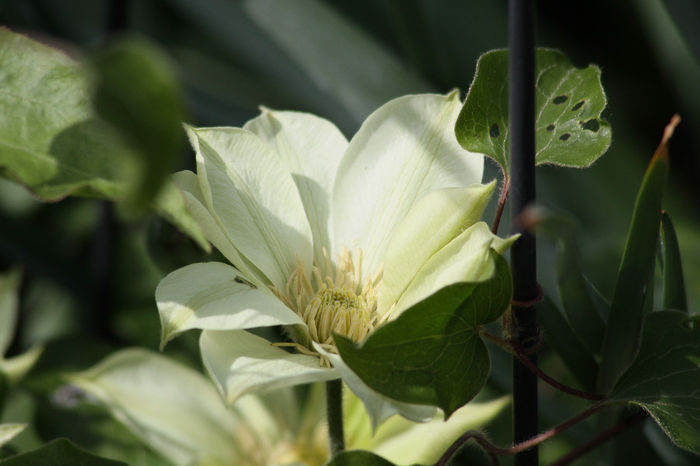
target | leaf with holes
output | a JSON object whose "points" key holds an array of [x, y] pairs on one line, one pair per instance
{"points": [[432, 353], [664, 378], [568, 105]]}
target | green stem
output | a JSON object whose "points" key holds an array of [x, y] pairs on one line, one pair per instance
{"points": [[334, 408]]}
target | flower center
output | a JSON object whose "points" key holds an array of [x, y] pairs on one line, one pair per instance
{"points": [[339, 302]]}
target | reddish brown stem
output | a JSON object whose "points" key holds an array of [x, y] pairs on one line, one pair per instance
{"points": [[579, 451], [558, 385], [522, 446], [505, 189], [516, 350]]}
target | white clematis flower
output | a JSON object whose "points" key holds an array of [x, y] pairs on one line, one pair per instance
{"points": [[324, 236]]}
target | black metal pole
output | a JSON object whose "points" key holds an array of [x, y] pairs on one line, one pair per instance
{"points": [[521, 76]]}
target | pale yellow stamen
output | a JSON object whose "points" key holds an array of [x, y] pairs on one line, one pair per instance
{"points": [[338, 302]]}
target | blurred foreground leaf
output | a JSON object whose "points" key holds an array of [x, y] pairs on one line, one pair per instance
{"points": [[59, 452], [568, 104], [627, 307], [52, 142], [665, 376], [137, 93], [432, 353], [9, 431]]}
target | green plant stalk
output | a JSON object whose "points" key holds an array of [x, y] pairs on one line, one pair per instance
{"points": [[334, 412]]}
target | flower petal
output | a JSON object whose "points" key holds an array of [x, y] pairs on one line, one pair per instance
{"points": [[404, 150], [207, 296], [194, 200], [254, 199], [173, 409], [425, 443], [311, 148], [379, 407], [432, 223], [241, 363], [464, 259]]}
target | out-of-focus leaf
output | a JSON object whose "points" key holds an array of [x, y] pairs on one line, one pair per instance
{"points": [[15, 368], [9, 431], [626, 311], [568, 105], [432, 353], [137, 93], [359, 458], [338, 57], [574, 288], [59, 452], [8, 308], [674, 284], [665, 376], [170, 204], [561, 337], [174, 410], [53, 143]]}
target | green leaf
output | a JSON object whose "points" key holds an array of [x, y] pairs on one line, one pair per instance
{"points": [[627, 307], [137, 93], [577, 294], [9, 284], [432, 353], [359, 458], [665, 376], [674, 286], [52, 142], [368, 74], [568, 105], [60, 452], [9, 431], [561, 337]]}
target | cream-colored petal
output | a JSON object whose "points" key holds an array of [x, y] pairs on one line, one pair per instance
{"points": [[194, 200], [379, 407], [240, 363], [254, 199], [404, 150], [171, 408], [311, 149], [210, 296], [464, 259], [430, 225], [425, 443]]}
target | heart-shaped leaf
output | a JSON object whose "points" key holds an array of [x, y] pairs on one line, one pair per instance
{"points": [[665, 376], [568, 105], [432, 353]]}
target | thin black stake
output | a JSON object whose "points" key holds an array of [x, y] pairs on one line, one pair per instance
{"points": [[521, 75]]}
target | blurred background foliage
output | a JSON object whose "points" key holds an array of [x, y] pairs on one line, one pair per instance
{"points": [[90, 273]]}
